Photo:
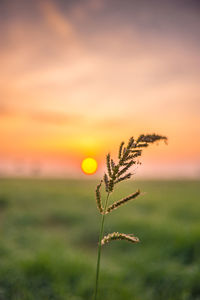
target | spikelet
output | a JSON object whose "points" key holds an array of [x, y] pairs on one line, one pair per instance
{"points": [[106, 181], [126, 152], [118, 203], [142, 145], [108, 164], [113, 165], [119, 236], [98, 198], [140, 138], [116, 169], [132, 156], [127, 176], [111, 185], [130, 142], [137, 154], [136, 151], [150, 138], [128, 165], [120, 149]]}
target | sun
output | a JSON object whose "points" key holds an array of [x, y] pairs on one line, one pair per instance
{"points": [[89, 166]]}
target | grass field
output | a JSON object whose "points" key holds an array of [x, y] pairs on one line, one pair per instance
{"points": [[48, 241]]}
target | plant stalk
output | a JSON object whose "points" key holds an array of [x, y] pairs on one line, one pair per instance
{"points": [[99, 248]]}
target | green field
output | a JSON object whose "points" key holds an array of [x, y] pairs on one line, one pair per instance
{"points": [[48, 241]]}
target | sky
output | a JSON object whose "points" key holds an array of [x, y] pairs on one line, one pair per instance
{"points": [[78, 77]]}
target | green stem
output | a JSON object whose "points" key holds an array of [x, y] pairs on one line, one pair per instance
{"points": [[99, 248]]}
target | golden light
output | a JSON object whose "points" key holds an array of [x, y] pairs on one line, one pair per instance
{"points": [[89, 166]]}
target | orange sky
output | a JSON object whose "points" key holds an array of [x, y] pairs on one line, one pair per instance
{"points": [[77, 77]]}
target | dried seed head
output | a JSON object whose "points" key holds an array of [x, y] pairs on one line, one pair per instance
{"points": [[130, 142], [108, 164], [119, 236], [136, 153], [111, 185], [132, 156], [127, 176], [140, 138], [106, 181], [141, 145], [118, 203], [128, 165], [124, 151], [120, 149], [113, 165], [150, 138], [98, 198], [123, 158]]}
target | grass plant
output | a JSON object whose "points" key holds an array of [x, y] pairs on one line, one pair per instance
{"points": [[117, 172]]}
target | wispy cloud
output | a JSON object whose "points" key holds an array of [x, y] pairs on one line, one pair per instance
{"points": [[56, 118], [41, 117]]}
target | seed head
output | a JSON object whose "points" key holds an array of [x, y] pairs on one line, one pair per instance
{"points": [[98, 198], [119, 236], [120, 149], [121, 202], [127, 176], [106, 181], [108, 164]]}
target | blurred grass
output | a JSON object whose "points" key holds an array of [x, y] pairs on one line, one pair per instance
{"points": [[48, 240]]}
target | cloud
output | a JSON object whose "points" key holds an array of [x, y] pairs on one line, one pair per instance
{"points": [[56, 20], [81, 11], [56, 118], [4, 111], [42, 117]]}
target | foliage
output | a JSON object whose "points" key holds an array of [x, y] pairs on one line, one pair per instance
{"points": [[48, 241]]}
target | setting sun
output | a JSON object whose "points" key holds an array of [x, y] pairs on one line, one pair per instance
{"points": [[89, 165]]}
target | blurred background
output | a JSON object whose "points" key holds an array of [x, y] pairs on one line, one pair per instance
{"points": [[76, 78]]}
